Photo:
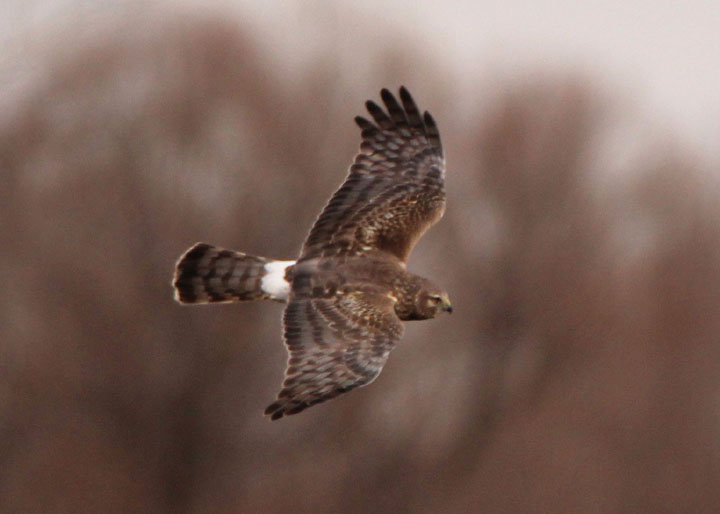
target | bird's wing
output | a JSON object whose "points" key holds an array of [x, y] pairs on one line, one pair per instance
{"points": [[335, 343], [395, 188]]}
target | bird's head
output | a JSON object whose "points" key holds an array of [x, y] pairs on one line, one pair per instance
{"points": [[430, 301]]}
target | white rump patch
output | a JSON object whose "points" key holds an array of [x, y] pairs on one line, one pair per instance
{"points": [[274, 283]]}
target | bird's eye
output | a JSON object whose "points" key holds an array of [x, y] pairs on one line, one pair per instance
{"points": [[435, 299]]}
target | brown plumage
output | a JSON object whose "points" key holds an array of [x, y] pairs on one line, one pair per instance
{"points": [[349, 290], [207, 274]]}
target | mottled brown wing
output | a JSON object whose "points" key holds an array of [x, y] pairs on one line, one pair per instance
{"points": [[335, 344], [394, 191]]}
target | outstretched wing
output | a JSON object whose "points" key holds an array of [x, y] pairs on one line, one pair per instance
{"points": [[335, 344], [394, 191]]}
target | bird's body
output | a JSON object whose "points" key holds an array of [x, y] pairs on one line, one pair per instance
{"points": [[349, 290]]}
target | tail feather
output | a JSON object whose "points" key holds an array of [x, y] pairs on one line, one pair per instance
{"points": [[208, 274]]}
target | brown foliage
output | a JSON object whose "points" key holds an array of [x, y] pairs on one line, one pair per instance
{"points": [[578, 374]]}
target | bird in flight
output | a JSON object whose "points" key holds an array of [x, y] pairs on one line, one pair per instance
{"points": [[349, 290]]}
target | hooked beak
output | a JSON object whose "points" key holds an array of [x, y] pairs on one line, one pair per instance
{"points": [[447, 306]]}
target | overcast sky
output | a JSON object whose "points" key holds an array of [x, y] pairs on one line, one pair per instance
{"points": [[664, 55]]}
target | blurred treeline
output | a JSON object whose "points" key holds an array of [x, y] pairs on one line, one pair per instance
{"points": [[579, 373]]}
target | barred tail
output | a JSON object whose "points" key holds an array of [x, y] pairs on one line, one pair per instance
{"points": [[207, 274]]}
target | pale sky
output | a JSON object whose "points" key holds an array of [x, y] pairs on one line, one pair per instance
{"points": [[663, 55]]}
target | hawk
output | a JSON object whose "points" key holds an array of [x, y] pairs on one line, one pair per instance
{"points": [[349, 290]]}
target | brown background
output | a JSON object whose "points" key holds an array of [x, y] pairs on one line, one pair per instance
{"points": [[580, 371]]}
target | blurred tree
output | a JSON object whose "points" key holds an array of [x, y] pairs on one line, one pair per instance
{"points": [[581, 369]]}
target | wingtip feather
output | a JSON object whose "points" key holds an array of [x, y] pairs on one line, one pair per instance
{"points": [[363, 123]]}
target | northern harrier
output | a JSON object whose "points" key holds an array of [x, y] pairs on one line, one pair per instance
{"points": [[349, 290]]}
